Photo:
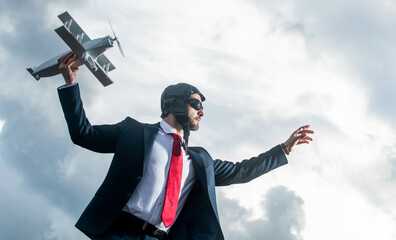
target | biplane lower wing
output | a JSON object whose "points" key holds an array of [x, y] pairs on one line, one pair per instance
{"points": [[99, 73], [105, 63]]}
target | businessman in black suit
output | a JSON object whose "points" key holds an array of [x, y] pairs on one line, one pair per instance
{"points": [[157, 187]]}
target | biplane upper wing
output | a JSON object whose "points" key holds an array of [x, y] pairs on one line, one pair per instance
{"points": [[70, 40], [73, 27]]}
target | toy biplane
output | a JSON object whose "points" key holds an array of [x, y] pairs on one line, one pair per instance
{"points": [[89, 52]]}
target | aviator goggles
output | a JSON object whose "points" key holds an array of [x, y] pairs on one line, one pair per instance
{"points": [[195, 103]]}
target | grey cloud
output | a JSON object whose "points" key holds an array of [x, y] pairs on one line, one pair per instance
{"points": [[39, 150], [33, 139], [30, 33], [30, 223], [29, 148], [284, 218]]}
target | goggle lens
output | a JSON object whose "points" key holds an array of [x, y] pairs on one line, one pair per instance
{"points": [[195, 103]]}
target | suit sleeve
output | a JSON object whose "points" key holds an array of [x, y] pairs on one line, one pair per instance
{"points": [[100, 138], [227, 173]]}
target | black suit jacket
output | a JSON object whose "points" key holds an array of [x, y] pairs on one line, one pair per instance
{"points": [[131, 143]]}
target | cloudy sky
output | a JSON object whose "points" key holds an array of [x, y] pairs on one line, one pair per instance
{"points": [[265, 67]]}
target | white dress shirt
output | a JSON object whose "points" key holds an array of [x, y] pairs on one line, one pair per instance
{"points": [[147, 200]]}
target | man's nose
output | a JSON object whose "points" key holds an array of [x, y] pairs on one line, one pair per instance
{"points": [[201, 113]]}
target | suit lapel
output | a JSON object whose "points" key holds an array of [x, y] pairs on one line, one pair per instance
{"points": [[199, 167], [204, 175], [150, 130]]}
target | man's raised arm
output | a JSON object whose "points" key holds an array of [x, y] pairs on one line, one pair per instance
{"points": [[99, 138]]}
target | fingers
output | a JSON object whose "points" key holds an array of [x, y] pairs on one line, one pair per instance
{"points": [[308, 138], [306, 132], [300, 136], [66, 56], [67, 60], [65, 65], [303, 130], [301, 141], [304, 135]]}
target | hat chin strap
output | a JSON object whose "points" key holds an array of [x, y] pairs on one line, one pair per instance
{"points": [[179, 110], [186, 129]]}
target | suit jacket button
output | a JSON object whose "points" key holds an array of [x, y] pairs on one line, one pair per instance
{"points": [[139, 178], [129, 194]]}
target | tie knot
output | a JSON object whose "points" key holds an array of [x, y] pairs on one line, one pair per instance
{"points": [[176, 137], [176, 148]]}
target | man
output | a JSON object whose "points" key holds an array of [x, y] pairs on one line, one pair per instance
{"points": [[157, 187]]}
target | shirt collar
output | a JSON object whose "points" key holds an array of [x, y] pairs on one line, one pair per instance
{"points": [[166, 127]]}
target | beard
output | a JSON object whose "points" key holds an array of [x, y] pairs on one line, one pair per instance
{"points": [[194, 126]]}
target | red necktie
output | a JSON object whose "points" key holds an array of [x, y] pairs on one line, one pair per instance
{"points": [[174, 183]]}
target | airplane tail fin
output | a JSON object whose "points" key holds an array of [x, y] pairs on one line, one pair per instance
{"points": [[30, 70]]}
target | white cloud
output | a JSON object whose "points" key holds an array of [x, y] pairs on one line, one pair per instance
{"points": [[2, 122]]}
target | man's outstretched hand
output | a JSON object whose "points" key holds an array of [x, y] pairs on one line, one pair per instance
{"points": [[67, 66], [298, 137]]}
